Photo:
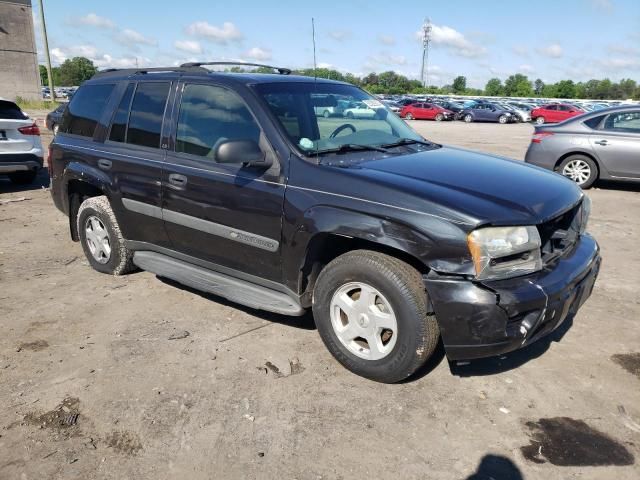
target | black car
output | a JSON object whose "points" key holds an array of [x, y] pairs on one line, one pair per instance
{"points": [[54, 118], [230, 183]]}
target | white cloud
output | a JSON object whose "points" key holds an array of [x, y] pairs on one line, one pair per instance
{"points": [[60, 54], [521, 50], [189, 46], [257, 53], [620, 63], [99, 59], [525, 68], [387, 39], [131, 38], [325, 65], [384, 59], [93, 20], [340, 35], [552, 51], [222, 35], [454, 41], [603, 5]]}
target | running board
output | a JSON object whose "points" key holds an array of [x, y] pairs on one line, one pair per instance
{"points": [[231, 288]]}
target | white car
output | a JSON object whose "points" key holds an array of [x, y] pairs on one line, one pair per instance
{"points": [[359, 110], [20, 147]]}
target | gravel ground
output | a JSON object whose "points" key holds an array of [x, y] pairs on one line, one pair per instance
{"points": [[135, 377]]}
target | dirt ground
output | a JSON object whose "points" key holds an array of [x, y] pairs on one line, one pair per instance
{"points": [[134, 377]]}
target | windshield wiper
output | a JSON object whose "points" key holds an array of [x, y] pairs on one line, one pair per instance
{"points": [[353, 147], [408, 141]]}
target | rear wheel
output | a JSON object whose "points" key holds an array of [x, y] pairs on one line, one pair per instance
{"points": [[439, 117], [23, 178], [468, 118], [581, 169], [326, 114], [540, 120], [409, 116], [101, 239], [371, 311]]}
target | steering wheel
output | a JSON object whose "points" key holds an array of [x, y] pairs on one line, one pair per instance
{"points": [[341, 128]]}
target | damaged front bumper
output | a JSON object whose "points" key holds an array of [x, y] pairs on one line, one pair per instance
{"points": [[483, 319]]}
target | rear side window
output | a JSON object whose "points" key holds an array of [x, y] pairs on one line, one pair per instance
{"points": [[11, 111], [147, 110], [119, 124], [628, 122], [85, 109], [209, 115]]}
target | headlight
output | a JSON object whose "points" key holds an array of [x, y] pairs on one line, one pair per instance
{"points": [[584, 213], [504, 252]]}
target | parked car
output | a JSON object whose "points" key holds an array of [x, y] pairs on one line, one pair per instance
{"points": [[360, 110], [21, 154], [454, 107], [486, 112], [601, 144], [554, 112], [393, 106], [54, 118], [234, 186], [426, 111]]}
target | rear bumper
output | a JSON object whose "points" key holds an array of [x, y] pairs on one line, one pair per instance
{"points": [[485, 319], [20, 162]]}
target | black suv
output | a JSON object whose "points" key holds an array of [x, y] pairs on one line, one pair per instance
{"points": [[230, 183]]}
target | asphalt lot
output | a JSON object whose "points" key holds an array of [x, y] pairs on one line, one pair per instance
{"points": [[98, 378]]}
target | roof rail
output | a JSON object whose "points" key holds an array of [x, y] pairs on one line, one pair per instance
{"points": [[141, 71], [280, 70]]}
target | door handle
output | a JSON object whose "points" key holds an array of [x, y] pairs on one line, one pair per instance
{"points": [[104, 164], [177, 180], [604, 143]]}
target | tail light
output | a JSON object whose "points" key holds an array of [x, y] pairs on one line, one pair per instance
{"points": [[538, 137], [49, 156], [30, 130]]}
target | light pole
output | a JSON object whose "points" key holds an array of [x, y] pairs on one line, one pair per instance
{"points": [[426, 39], [46, 51]]}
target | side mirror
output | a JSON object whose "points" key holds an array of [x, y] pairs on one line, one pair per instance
{"points": [[246, 152]]}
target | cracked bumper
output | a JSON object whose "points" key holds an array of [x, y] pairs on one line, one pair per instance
{"points": [[483, 319]]}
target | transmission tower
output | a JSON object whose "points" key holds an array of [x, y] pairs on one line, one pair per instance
{"points": [[426, 40]]}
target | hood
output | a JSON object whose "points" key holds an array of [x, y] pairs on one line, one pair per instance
{"points": [[481, 188]]}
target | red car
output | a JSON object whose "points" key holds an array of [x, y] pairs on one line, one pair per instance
{"points": [[426, 111], [554, 112]]}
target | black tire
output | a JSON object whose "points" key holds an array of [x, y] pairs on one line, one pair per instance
{"points": [[326, 114], [23, 178], [349, 115], [120, 259], [594, 173], [402, 285], [409, 116]]}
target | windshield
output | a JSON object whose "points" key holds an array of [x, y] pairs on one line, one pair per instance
{"points": [[323, 117]]}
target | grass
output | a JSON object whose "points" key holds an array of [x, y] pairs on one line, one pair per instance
{"points": [[25, 104]]}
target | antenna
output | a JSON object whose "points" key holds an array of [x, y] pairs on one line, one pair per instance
{"points": [[426, 40], [313, 38]]}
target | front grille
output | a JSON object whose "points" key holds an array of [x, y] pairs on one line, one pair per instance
{"points": [[560, 234]]}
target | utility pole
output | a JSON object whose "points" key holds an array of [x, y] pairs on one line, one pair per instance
{"points": [[46, 50], [426, 40]]}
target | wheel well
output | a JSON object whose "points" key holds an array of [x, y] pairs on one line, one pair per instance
{"points": [[325, 247], [78, 192], [567, 155]]}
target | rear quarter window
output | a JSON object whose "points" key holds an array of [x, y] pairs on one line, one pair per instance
{"points": [[85, 109], [11, 111], [593, 122]]}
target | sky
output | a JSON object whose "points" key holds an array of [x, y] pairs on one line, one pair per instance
{"points": [[480, 39]]}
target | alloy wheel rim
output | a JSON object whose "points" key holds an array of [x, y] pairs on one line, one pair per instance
{"points": [[97, 239], [577, 170], [363, 321]]}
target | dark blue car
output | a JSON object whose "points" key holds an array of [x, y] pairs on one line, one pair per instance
{"points": [[486, 112]]}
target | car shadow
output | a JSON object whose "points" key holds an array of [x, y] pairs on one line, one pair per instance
{"points": [[496, 467], [303, 322], [512, 360], [618, 185], [41, 181]]}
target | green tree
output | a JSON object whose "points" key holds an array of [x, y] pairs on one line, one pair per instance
{"points": [[550, 90], [76, 70], [518, 85], [459, 84], [494, 88], [44, 78], [628, 86], [538, 86], [565, 89]]}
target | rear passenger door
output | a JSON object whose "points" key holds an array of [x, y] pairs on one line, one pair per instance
{"points": [[133, 157], [617, 143], [227, 215]]}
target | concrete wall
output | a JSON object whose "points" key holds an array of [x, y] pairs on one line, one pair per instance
{"points": [[19, 74]]}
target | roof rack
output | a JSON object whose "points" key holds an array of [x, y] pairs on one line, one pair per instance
{"points": [[280, 70], [141, 71]]}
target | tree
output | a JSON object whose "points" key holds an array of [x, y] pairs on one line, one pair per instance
{"points": [[459, 84], [494, 88], [627, 86], [518, 85], [538, 86], [565, 89], [76, 70]]}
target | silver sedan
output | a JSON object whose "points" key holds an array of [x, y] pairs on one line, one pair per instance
{"points": [[603, 144]]}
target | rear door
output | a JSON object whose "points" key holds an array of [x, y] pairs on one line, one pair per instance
{"points": [[617, 143], [229, 215], [133, 157], [551, 113]]}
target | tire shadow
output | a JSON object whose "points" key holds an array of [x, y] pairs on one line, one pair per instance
{"points": [[41, 181]]}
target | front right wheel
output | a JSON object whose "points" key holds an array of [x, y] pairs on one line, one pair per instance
{"points": [[372, 313]]}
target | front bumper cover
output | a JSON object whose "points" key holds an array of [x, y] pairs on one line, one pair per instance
{"points": [[483, 319]]}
